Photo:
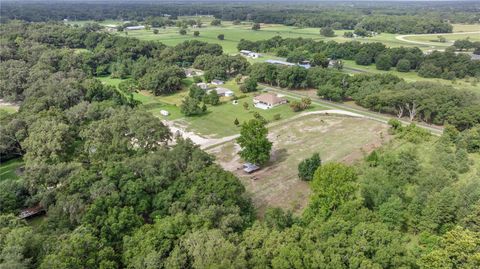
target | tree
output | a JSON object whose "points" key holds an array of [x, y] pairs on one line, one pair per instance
{"points": [[255, 146], [403, 65], [50, 141], [216, 22], [196, 92], [327, 32], [332, 185], [249, 85], [256, 26], [319, 59], [155, 31], [81, 249], [221, 37], [190, 106], [162, 79], [363, 58], [196, 33], [383, 62], [307, 167], [236, 122], [182, 32], [212, 98], [245, 105]]}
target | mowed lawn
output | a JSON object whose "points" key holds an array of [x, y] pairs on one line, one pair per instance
{"points": [[467, 83], [218, 121], [8, 169], [335, 138]]}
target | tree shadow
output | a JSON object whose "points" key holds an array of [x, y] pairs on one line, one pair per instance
{"points": [[278, 156]]}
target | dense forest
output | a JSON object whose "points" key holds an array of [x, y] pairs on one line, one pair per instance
{"points": [[414, 17], [121, 191]]}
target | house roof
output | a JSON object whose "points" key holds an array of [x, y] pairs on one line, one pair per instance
{"points": [[269, 98], [220, 90]]}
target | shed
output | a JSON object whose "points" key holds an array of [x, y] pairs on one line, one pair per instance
{"points": [[31, 211], [202, 85], [217, 82], [164, 112]]}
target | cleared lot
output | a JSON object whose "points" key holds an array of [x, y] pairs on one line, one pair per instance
{"points": [[336, 138]]}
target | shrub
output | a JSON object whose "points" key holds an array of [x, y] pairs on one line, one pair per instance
{"points": [[403, 65], [307, 168]]}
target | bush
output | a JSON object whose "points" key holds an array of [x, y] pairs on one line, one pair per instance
{"points": [[250, 85], [216, 22], [327, 31], [307, 168], [196, 33], [403, 65], [363, 58], [221, 37], [383, 62], [256, 26], [182, 32]]}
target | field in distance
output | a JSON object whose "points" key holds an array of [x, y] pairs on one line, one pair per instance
{"points": [[234, 33]]}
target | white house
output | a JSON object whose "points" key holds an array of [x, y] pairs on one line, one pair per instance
{"points": [[202, 85], [223, 91], [217, 82]]}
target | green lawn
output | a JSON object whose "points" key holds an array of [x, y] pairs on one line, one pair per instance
{"points": [[412, 76], [218, 121], [7, 169]]}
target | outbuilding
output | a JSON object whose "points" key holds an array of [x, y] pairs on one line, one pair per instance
{"points": [[138, 27], [202, 85], [217, 82], [223, 91]]}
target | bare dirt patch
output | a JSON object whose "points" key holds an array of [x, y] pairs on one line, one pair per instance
{"points": [[336, 138]]}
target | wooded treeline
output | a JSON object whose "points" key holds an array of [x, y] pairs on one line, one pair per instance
{"points": [[447, 65], [419, 18]]}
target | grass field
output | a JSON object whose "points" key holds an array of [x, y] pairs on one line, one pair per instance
{"points": [[218, 121], [468, 83], [336, 138], [7, 169]]}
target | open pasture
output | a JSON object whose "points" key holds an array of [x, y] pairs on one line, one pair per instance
{"points": [[335, 138]]}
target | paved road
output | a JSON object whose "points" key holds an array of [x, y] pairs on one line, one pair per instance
{"points": [[368, 114]]}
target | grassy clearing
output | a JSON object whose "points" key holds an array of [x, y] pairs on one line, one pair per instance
{"points": [[218, 121], [7, 169], [467, 83], [450, 38], [336, 138], [458, 28]]}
